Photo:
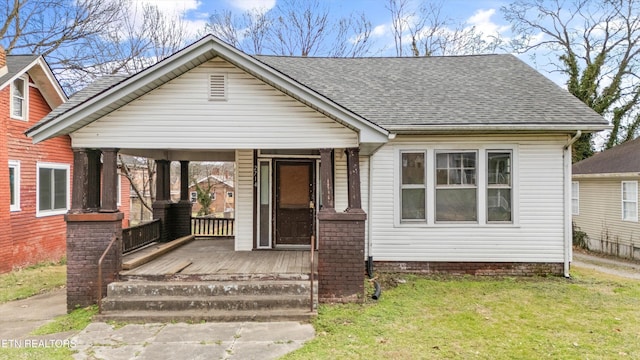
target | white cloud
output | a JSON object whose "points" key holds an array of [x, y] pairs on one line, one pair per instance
{"points": [[481, 20], [245, 5], [172, 6]]}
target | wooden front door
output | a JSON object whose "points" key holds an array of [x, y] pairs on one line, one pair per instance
{"points": [[294, 202]]}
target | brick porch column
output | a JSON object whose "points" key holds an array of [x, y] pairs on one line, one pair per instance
{"points": [[341, 238], [89, 232]]}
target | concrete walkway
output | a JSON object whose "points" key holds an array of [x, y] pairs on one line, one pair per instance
{"points": [[248, 340]]}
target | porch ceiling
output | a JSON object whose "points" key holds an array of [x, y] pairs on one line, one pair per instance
{"points": [[182, 155]]}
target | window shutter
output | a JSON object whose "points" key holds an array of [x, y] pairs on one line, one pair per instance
{"points": [[217, 87]]}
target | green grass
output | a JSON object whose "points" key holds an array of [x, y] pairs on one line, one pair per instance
{"points": [[49, 353], [77, 320], [591, 316], [23, 283]]}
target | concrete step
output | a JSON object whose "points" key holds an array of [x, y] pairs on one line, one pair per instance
{"points": [[197, 316], [208, 288], [243, 302]]}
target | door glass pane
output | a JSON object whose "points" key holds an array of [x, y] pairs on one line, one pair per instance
{"points": [[45, 189], [456, 205], [264, 204], [294, 178]]}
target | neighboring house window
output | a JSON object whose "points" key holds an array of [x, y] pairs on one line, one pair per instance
{"points": [[212, 196], [52, 189], [575, 198], [229, 194], [456, 186], [19, 91], [499, 186], [14, 184], [630, 200], [413, 186], [194, 196]]}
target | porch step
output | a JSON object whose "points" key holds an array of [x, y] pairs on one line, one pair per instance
{"points": [[207, 288], [249, 300], [196, 316]]}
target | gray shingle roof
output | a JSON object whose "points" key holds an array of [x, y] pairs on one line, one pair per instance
{"points": [[16, 65], [458, 90], [98, 86], [624, 158]]}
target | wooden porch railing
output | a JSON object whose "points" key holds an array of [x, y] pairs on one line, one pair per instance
{"points": [[138, 236], [209, 226]]}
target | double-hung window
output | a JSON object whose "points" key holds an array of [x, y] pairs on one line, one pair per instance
{"points": [[19, 91], [575, 198], [456, 186], [499, 186], [413, 186], [630, 200], [14, 184], [52, 188]]}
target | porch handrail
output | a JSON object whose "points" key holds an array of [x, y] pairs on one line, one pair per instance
{"points": [[138, 236], [113, 241], [211, 226], [311, 272]]}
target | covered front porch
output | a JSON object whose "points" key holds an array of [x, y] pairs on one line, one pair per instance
{"points": [[209, 259]]}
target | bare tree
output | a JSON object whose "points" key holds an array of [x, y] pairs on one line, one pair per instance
{"points": [[430, 33], [597, 46], [48, 27], [294, 27]]}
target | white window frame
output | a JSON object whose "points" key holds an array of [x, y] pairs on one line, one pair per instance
{"points": [[414, 186], [15, 165], [630, 200], [55, 166], [481, 182], [575, 198], [499, 186], [25, 99], [460, 186]]}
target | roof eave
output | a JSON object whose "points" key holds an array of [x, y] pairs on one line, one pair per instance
{"points": [[490, 128], [53, 93], [606, 175]]}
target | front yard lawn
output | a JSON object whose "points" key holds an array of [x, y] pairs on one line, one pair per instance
{"points": [[591, 316]]}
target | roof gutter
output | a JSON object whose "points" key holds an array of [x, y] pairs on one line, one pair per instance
{"points": [[573, 139]]}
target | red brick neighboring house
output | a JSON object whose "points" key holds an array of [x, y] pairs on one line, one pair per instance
{"points": [[34, 201], [36, 197]]}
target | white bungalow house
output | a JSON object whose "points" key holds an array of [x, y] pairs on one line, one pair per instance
{"points": [[430, 164]]}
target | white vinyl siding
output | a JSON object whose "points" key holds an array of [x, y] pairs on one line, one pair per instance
{"points": [[575, 198], [14, 185], [536, 233], [179, 115], [52, 189], [629, 191], [244, 200]]}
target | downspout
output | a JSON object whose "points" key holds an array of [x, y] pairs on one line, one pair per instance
{"points": [[568, 237]]}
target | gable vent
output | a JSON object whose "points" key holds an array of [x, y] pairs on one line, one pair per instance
{"points": [[217, 87]]}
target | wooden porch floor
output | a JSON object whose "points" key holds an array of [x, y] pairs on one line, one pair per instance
{"points": [[217, 257]]}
